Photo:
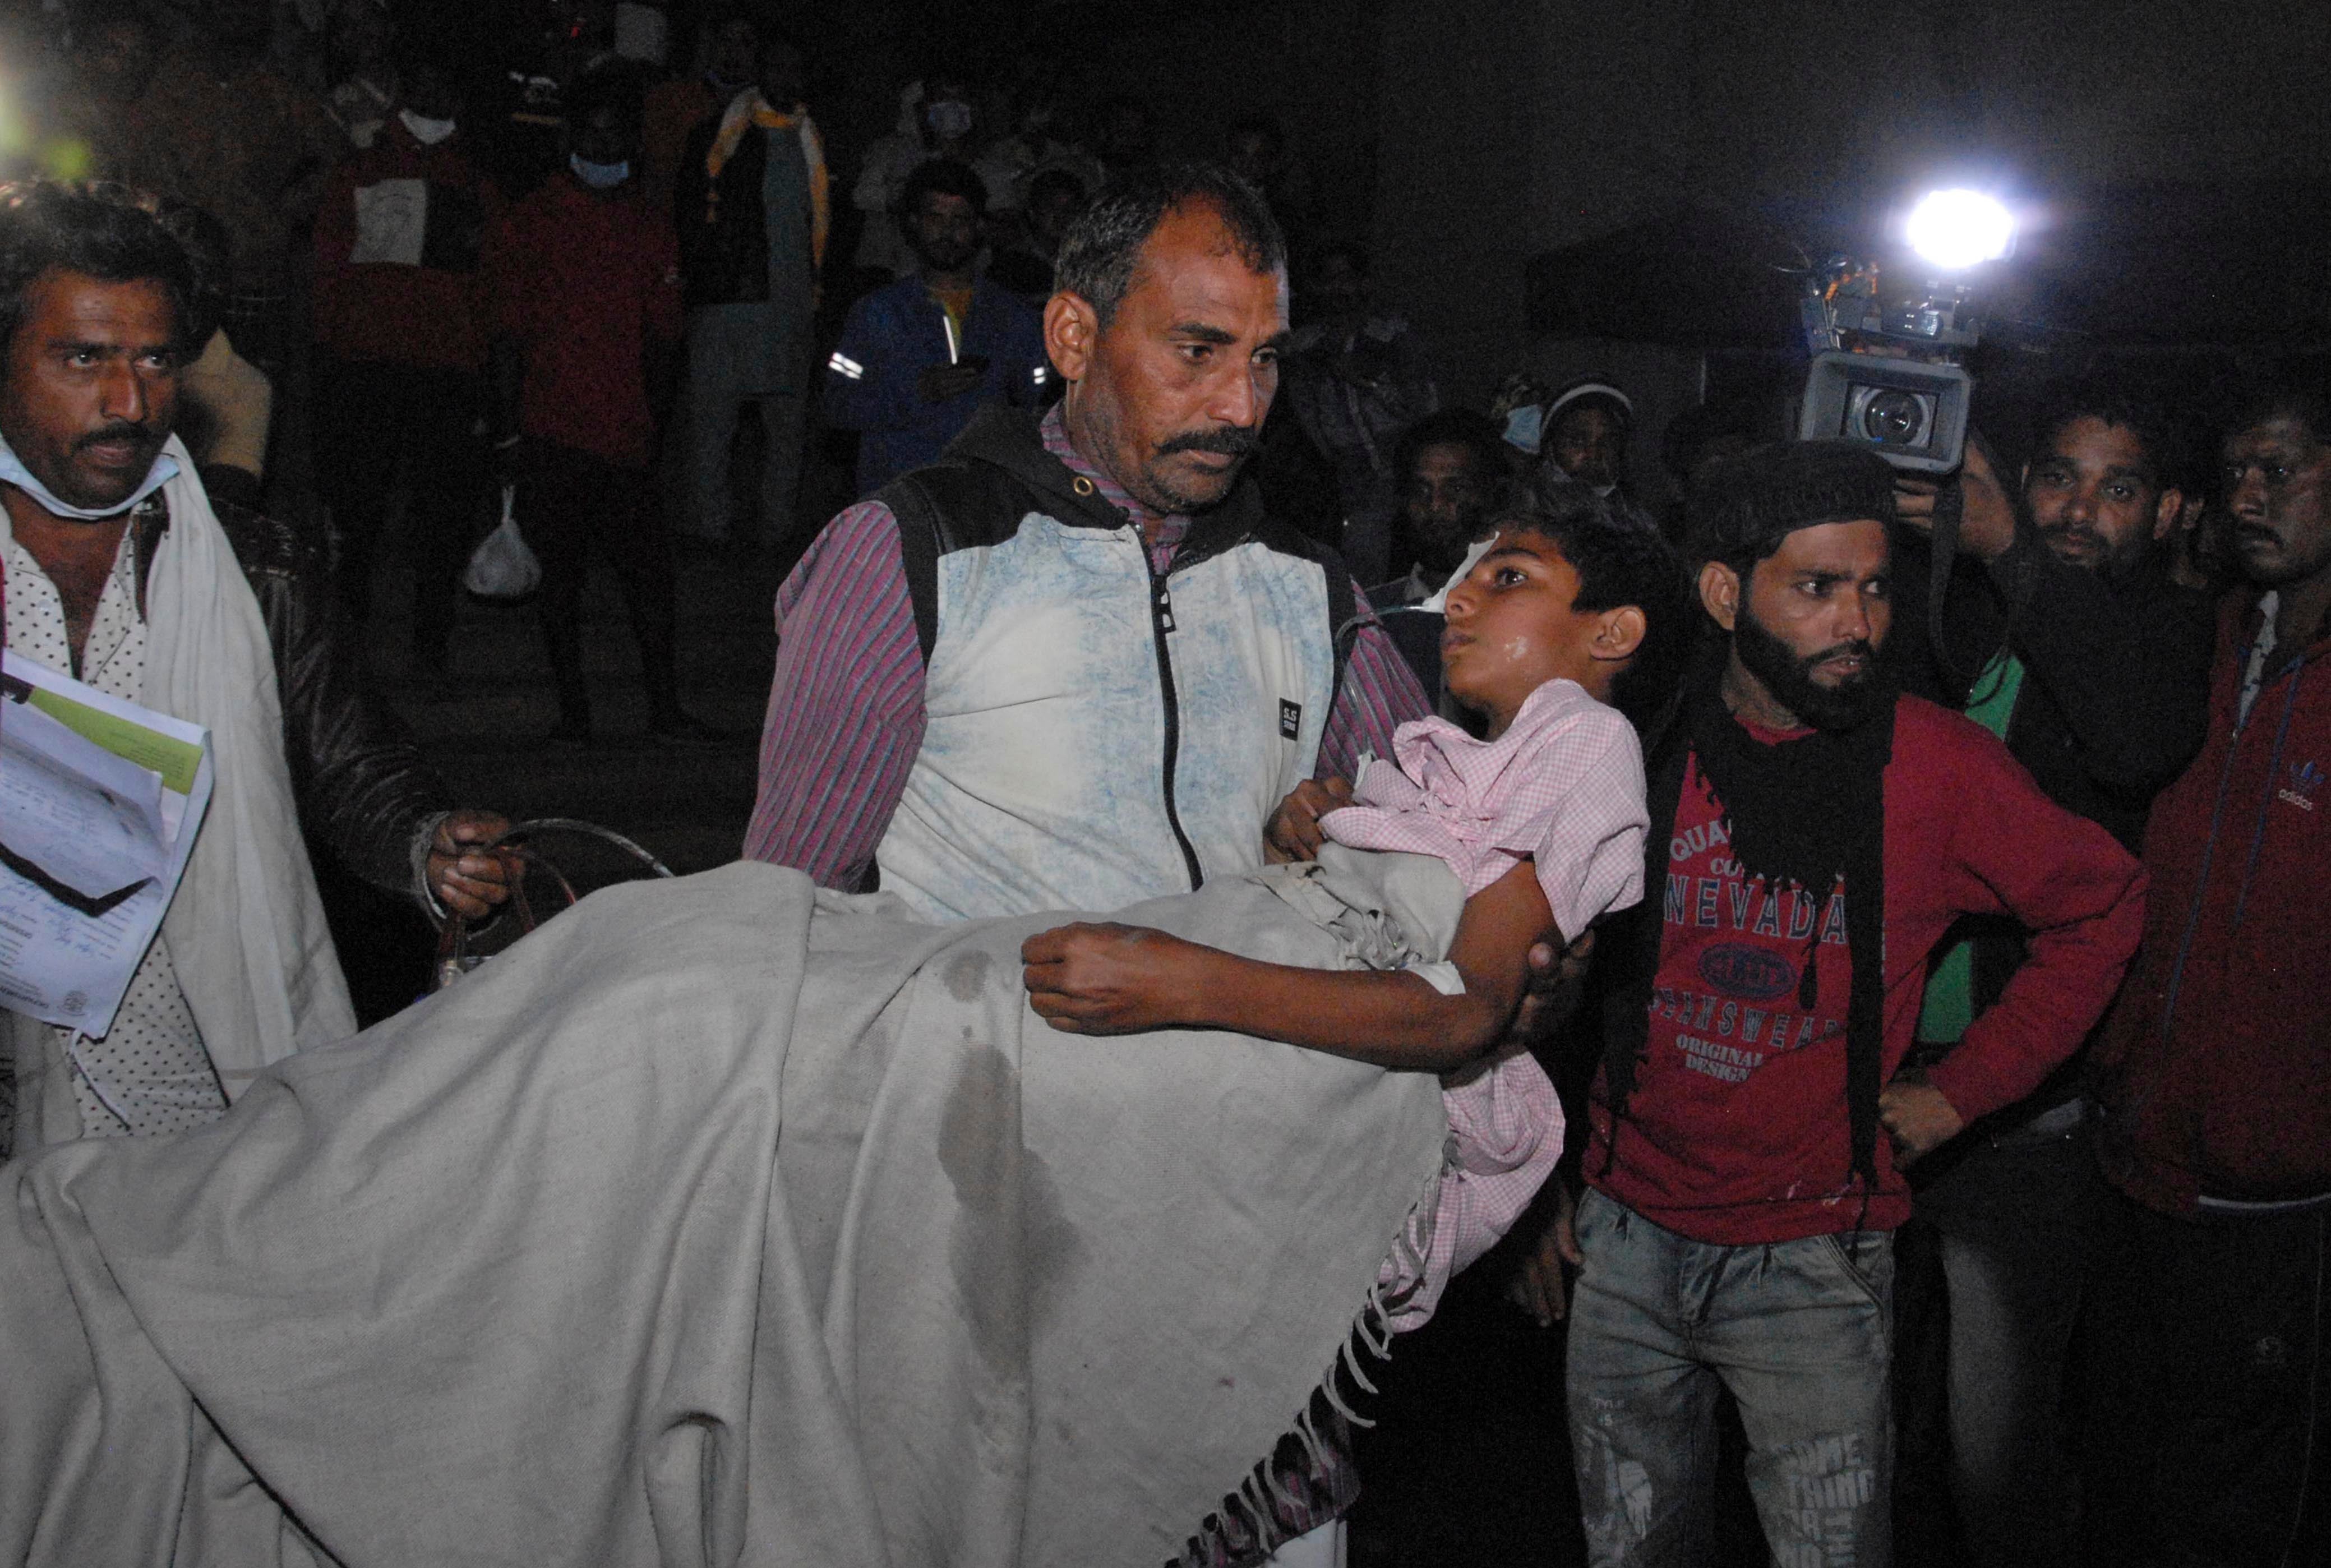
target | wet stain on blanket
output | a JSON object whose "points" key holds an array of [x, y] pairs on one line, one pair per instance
{"points": [[1013, 1245], [965, 974]]}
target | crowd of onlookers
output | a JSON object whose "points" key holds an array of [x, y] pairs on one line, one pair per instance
{"points": [[610, 281], [746, 335]]}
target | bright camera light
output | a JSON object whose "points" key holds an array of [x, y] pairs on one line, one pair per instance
{"points": [[1955, 230]]}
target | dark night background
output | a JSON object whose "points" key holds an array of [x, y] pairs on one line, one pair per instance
{"points": [[1568, 186]]}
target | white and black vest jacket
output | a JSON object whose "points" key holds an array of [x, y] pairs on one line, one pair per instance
{"points": [[1097, 734]]}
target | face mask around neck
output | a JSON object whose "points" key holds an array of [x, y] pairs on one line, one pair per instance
{"points": [[427, 131], [599, 176], [13, 472]]}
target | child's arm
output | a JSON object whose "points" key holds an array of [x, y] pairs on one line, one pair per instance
{"points": [[1110, 979]]}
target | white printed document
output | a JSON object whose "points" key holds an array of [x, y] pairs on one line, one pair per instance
{"points": [[100, 802]]}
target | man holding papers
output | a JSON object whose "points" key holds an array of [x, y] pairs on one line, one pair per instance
{"points": [[121, 574]]}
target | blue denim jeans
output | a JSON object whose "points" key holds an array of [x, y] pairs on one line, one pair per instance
{"points": [[1801, 1332]]}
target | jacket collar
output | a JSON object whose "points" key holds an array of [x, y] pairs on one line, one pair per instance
{"points": [[402, 139], [1076, 493], [2242, 611]]}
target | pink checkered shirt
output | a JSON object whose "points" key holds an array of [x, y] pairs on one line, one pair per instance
{"points": [[1563, 786]]}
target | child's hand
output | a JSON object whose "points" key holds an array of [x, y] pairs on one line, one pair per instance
{"points": [[1293, 832], [1109, 979]]}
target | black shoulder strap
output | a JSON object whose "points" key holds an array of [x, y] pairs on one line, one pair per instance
{"points": [[1346, 614], [921, 526], [950, 505]]}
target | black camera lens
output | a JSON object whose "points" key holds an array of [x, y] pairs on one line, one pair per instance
{"points": [[1891, 417]]}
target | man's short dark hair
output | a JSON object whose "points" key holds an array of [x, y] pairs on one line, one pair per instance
{"points": [[103, 231], [2299, 393], [1047, 181], [93, 19], [616, 85], [944, 66], [1742, 508], [416, 52], [1739, 421], [1478, 433], [945, 177], [1103, 246], [208, 245], [770, 39], [1351, 251], [1619, 561], [1262, 125], [2116, 404]]}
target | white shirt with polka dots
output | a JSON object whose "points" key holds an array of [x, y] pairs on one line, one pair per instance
{"points": [[148, 1073]]}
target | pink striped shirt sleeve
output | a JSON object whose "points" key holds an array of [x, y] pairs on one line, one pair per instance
{"points": [[1378, 694], [846, 711]]}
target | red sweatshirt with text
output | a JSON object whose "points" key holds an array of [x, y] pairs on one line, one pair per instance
{"points": [[1737, 1132]]}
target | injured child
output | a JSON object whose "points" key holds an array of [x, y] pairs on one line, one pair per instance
{"points": [[730, 1220]]}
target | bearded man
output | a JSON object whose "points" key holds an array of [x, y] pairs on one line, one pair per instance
{"points": [[1817, 834]]}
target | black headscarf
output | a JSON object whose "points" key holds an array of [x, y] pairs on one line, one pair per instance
{"points": [[1802, 813]]}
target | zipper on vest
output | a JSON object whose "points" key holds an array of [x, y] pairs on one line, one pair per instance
{"points": [[1161, 623]]}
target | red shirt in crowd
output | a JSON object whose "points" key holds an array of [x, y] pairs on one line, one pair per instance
{"points": [[1737, 1131], [583, 284], [2215, 1072], [400, 245]]}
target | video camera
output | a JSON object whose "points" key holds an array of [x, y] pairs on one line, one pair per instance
{"points": [[1887, 338]]}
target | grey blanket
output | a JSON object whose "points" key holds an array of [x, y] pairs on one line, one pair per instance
{"points": [[720, 1221]]}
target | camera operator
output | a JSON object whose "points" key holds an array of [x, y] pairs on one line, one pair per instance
{"points": [[2093, 666]]}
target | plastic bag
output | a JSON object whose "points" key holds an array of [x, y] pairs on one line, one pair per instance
{"points": [[502, 566]]}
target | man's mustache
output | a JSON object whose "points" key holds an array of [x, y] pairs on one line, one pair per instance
{"points": [[1227, 442], [123, 432], [1859, 648]]}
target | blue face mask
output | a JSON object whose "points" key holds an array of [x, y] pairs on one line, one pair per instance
{"points": [[1526, 428], [949, 120], [599, 176]]}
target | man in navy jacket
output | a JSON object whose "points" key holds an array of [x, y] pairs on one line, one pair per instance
{"points": [[920, 356]]}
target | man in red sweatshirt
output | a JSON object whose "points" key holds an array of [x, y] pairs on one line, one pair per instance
{"points": [[1816, 834], [402, 323], [2211, 1387]]}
